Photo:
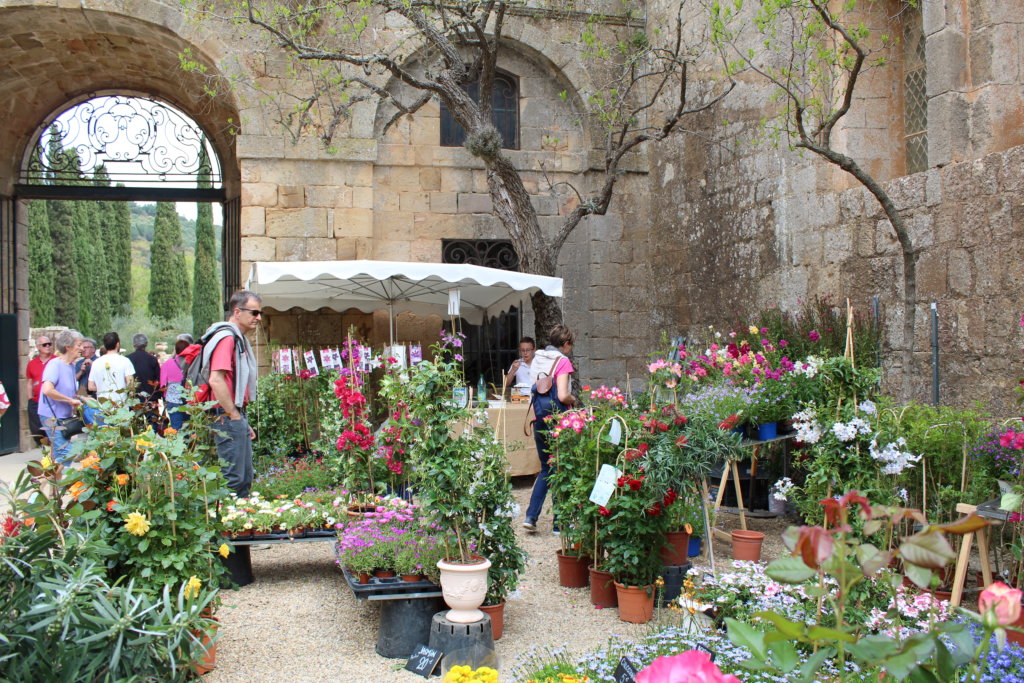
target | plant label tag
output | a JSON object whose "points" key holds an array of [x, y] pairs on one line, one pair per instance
{"points": [[326, 360], [415, 354], [311, 363], [626, 671], [711, 653], [398, 353], [615, 432], [336, 358], [604, 487], [423, 660]]}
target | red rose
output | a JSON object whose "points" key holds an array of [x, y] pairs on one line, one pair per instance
{"points": [[643, 448], [654, 510], [635, 484], [603, 511]]}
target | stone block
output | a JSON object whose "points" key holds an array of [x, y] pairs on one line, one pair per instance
{"points": [[456, 180], [259, 146], [608, 274], [405, 179], [425, 130], [297, 223], [328, 196], [919, 228], [885, 238], [291, 196], [959, 272], [474, 203], [837, 244], [259, 194], [444, 202], [346, 248], [396, 155], [430, 179], [908, 192], [393, 226], [253, 220], [353, 223], [425, 251], [948, 135], [480, 182], [385, 250], [933, 16], [601, 348], [305, 249], [807, 248], [413, 201], [544, 205], [946, 56], [931, 275], [259, 249], [362, 197], [932, 186], [360, 175]]}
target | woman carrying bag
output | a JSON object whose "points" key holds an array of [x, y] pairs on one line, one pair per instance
{"points": [[57, 402]]}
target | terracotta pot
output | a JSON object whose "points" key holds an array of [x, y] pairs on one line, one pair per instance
{"points": [[297, 532], [636, 603], [572, 570], [602, 589], [245, 533], [746, 545], [411, 578], [384, 573], [497, 615], [364, 577], [208, 661], [676, 548], [464, 587]]}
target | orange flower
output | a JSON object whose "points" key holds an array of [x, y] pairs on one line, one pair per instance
{"points": [[91, 461], [170, 431], [110, 505], [29, 521], [122, 479], [76, 489]]}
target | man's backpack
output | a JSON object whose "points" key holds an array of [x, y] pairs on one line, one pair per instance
{"points": [[196, 368]]}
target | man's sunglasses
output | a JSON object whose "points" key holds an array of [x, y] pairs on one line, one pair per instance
{"points": [[255, 312], [47, 344]]}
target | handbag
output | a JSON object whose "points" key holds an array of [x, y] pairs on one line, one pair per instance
{"points": [[71, 426]]}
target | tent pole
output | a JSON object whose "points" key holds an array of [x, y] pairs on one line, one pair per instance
{"points": [[391, 321]]}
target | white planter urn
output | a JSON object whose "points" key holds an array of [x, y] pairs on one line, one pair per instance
{"points": [[464, 587]]}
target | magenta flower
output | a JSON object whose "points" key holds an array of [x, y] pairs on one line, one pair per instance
{"points": [[813, 335], [692, 666]]}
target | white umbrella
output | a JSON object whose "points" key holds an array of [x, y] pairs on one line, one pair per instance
{"points": [[472, 292]]}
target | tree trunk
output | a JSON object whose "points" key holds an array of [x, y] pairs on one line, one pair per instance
{"points": [[546, 314]]}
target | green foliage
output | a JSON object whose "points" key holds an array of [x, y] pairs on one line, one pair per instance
{"points": [[206, 306], [822, 316], [289, 476], [170, 291], [41, 272], [293, 414], [157, 330], [62, 215], [119, 257]]}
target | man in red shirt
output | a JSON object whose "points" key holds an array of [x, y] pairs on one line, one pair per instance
{"points": [[34, 374], [233, 371]]}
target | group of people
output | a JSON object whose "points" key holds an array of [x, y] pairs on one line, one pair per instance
{"points": [[67, 370]]}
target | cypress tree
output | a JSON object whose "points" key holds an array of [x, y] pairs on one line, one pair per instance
{"points": [[85, 264], [119, 258], [40, 265], [166, 295], [206, 286], [61, 215]]}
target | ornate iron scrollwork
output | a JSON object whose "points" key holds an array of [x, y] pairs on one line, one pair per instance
{"points": [[490, 253], [138, 140]]}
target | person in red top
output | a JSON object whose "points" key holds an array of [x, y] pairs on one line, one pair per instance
{"points": [[34, 374], [232, 365]]}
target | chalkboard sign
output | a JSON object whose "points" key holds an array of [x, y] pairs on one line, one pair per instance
{"points": [[423, 660], [626, 671], [711, 653]]}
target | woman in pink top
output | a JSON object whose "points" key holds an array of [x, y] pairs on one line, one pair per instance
{"points": [[553, 361], [172, 381]]}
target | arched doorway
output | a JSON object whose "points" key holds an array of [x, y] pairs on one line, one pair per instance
{"points": [[59, 57]]}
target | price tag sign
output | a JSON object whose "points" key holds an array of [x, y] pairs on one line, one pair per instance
{"points": [[416, 354], [423, 660], [311, 362], [326, 360], [626, 671], [604, 487], [615, 432]]}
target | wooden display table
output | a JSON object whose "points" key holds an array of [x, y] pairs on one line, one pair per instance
{"points": [[730, 468], [963, 560]]}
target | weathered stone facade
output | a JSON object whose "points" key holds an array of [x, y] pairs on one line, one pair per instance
{"points": [[697, 231]]}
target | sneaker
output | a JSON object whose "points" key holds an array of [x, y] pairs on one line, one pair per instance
{"points": [[556, 531], [530, 525]]}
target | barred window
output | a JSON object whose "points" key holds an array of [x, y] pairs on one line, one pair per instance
{"points": [[915, 97], [504, 113]]}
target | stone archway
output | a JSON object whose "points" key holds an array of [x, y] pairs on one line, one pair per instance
{"points": [[54, 56]]}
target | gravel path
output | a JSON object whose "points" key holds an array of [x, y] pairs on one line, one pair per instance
{"points": [[298, 621]]}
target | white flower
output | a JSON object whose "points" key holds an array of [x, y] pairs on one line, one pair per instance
{"points": [[868, 407], [782, 488], [894, 459]]}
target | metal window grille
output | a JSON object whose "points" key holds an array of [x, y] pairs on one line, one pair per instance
{"points": [[504, 113], [915, 96]]}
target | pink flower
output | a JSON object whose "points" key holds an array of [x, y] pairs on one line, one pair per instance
{"points": [[999, 602], [692, 666], [813, 335]]}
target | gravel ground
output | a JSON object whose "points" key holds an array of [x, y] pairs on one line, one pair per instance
{"points": [[299, 621]]}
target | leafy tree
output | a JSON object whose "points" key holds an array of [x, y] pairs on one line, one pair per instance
{"points": [[815, 52], [206, 308], [449, 48], [167, 295], [61, 217], [40, 265], [119, 258]]}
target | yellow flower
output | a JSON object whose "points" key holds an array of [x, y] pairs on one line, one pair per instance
{"points": [[192, 587], [224, 550], [753, 329], [142, 444], [46, 462], [136, 524], [122, 479]]}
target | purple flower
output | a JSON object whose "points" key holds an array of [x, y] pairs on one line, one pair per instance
{"points": [[458, 357]]}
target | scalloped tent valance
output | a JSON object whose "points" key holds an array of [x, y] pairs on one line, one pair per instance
{"points": [[419, 288]]}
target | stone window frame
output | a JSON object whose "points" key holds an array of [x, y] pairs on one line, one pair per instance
{"points": [[504, 112], [915, 96]]}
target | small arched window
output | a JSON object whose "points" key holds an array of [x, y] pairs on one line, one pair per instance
{"points": [[504, 113]]}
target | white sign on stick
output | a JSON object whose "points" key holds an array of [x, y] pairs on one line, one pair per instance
{"points": [[604, 487]]}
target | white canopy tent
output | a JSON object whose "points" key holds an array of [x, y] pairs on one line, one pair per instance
{"points": [[472, 292]]}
